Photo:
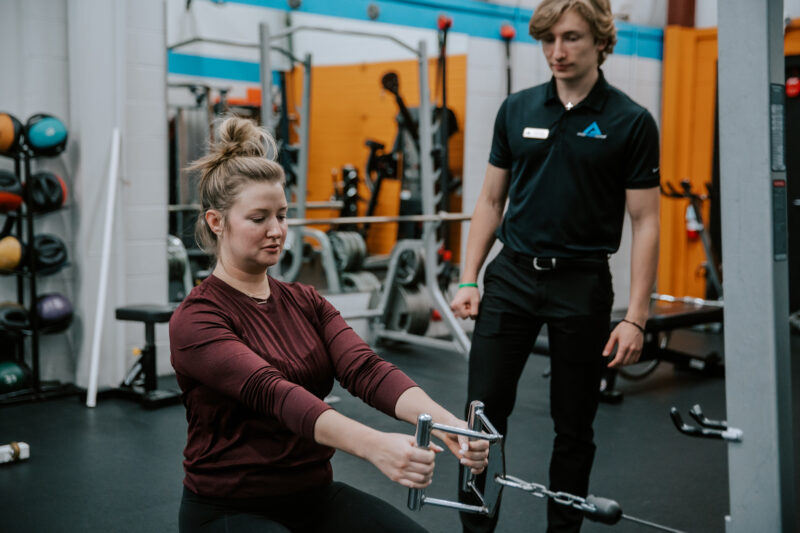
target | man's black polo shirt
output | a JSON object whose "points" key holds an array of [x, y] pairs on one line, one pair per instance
{"points": [[570, 169]]}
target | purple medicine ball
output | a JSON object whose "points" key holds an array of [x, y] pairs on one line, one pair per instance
{"points": [[54, 311]]}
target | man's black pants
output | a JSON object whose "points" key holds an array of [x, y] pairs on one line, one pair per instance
{"points": [[574, 300]]}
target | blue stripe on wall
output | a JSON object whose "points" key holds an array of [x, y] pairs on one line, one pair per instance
{"points": [[472, 17], [212, 67], [477, 19]]}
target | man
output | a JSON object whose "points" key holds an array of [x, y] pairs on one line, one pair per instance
{"points": [[568, 155]]}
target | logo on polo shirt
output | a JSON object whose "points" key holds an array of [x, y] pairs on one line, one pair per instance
{"points": [[592, 130]]}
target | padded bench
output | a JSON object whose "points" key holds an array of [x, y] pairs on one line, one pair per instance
{"points": [[666, 315], [141, 381]]}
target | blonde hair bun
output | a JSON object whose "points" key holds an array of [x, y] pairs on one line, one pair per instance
{"points": [[242, 153], [239, 137]]}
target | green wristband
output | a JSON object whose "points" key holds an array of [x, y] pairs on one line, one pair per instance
{"points": [[462, 285]]}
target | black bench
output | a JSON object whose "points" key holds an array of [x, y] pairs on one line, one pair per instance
{"points": [[141, 381], [667, 314]]}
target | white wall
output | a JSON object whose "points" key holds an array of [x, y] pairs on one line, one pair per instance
{"points": [[96, 64], [705, 13], [118, 79]]}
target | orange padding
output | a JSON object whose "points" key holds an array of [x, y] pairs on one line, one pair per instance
{"points": [[349, 106], [687, 145]]}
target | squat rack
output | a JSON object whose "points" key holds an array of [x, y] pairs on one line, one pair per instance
{"points": [[295, 238], [429, 242]]}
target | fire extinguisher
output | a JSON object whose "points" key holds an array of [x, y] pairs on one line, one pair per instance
{"points": [[694, 226]]}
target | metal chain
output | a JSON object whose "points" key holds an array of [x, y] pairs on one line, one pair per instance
{"points": [[567, 499], [540, 491]]}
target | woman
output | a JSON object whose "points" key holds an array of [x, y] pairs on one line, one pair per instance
{"points": [[254, 357]]}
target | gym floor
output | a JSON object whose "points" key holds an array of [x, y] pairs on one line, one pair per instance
{"points": [[118, 467]]}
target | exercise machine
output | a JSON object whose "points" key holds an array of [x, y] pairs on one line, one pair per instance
{"points": [[667, 314], [385, 323]]}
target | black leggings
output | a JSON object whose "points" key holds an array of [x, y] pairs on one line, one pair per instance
{"points": [[331, 509]]}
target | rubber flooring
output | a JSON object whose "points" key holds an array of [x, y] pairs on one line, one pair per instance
{"points": [[117, 467]]}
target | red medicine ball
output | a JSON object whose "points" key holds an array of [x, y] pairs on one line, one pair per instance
{"points": [[10, 192]]}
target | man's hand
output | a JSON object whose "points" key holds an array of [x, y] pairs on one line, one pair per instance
{"points": [[472, 453], [629, 341], [465, 304]]}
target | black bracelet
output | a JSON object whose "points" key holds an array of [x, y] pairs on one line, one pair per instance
{"points": [[640, 328]]}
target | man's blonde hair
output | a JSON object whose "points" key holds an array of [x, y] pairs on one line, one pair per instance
{"points": [[596, 12]]}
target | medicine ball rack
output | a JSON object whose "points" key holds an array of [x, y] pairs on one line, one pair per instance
{"points": [[22, 223]]}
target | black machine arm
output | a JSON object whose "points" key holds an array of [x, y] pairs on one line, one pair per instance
{"points": [[669, 190], [697, 413], [709, 429], [391, 83]]}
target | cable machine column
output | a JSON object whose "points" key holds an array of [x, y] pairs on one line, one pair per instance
{"points": [[755, 242]]}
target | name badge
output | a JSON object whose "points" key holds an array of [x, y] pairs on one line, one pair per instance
{"points": [[535, 133]]}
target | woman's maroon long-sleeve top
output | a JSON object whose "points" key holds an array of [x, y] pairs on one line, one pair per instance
{"points": [[253, 377]]}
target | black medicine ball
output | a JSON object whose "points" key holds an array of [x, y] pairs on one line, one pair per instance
{"points": [[45, 135], [48, 192], [13, 317], [49, 252], [54, 311], [11, 193]]}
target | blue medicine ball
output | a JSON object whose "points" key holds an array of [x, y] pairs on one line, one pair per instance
{"points": [[45, 135]]}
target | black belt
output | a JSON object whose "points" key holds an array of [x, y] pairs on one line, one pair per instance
{"points": [[554, 263]]}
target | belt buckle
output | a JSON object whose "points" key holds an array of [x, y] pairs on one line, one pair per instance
{"points": [[549, 265]]}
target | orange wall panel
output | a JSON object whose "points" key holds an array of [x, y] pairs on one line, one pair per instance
{"points": [[689, 94], [348, 107], [687, 146]]}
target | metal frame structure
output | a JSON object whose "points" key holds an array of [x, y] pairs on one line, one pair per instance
{"points": [[298, 204], [429, 242]]}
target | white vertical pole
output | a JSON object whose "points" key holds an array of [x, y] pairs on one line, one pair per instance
{"points": [[265, 70], [102, 289], [428, 188]]}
